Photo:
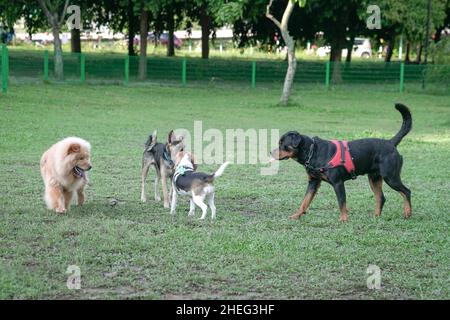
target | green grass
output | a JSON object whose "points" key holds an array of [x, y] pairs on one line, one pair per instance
{"points": [[136, 250]]}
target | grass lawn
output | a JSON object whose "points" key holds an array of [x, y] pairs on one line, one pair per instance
{"points": [[136, 250]]}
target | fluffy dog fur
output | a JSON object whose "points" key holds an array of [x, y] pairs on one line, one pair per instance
{"points": [[63, 169]]}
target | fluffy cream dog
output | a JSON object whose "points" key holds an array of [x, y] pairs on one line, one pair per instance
{"points": [[64, 170]]}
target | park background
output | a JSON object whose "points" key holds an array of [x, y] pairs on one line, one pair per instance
{"points": [[114, 93]]}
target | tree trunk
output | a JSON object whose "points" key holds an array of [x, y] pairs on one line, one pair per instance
{"points": [[289, 79], [171, 43], [205, 22], [58, 64], [75, 40], [143, 44], [335, 58], [408, 49], [419, 53], [350, 49], [131, 31], [289, 41], [389, 49]]}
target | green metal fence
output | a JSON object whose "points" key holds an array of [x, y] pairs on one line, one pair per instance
{"points": [[4, 68], [116, 68]]}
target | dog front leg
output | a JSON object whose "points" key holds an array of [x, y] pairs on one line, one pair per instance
{"points": [[164, 187], [157, 179], [339, 189], [311, 190], [144, 173], [173, 205], [68, 195], [170, 187], [55, 198]]}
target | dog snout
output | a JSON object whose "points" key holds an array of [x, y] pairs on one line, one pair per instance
{"points": [[275, 153], [89, 167]]}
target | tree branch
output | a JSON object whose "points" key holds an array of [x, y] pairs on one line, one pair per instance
{"points": [[63, 14], [270, 16], [287, 14], [46, 11]]}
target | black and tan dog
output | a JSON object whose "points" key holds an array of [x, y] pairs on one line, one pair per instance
{"points": [[160, 156], [338, 161]]}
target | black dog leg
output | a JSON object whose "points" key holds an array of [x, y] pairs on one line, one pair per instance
{"points": [[339, 189], [313, 186], [376, 184], [396, 184]]}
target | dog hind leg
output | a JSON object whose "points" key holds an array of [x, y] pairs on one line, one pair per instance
{"points": [[396, 184], [191, 208], [390, 169], [212, 205], [198, 200], [376, 184], [144, 173]]}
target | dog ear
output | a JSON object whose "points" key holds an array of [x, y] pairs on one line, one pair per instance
{"points": [[171, 137], [74, 148], [296, 140]]}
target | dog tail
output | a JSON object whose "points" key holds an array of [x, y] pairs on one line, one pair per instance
{"points": [[151, 141], [406, 125], [221, 169], [218, 173]]}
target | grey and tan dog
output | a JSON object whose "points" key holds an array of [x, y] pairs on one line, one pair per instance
{"points": [[160, 155]]}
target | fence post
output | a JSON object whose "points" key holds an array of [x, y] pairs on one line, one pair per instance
{"points": [[83, 67], [127, 69], [253, 74], [327, 75], [402, 76], [5, 68], [46, 65], [183, 72]]}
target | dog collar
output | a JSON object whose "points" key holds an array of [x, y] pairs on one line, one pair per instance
{"points": [[181, 170], [78, 172], [167, 157]]}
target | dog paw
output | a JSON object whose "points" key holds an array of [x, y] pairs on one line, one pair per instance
{"points": [[343, 218], [295, 216], [60, 210], [143, 200], [157, 199], [166, 205]]}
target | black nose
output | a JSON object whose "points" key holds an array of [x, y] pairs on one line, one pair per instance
{"points": [[89, 168]]}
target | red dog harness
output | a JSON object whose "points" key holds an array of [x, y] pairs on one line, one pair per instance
{"points": [[342, 157]]}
